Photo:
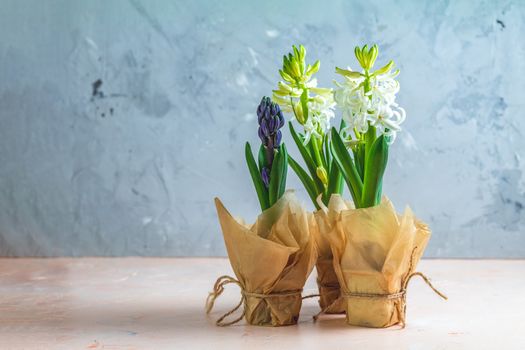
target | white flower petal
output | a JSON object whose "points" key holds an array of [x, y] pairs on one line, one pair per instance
{"points": [[377, 107]]}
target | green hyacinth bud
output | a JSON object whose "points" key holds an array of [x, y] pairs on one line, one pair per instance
{"points": [[322, 175]]}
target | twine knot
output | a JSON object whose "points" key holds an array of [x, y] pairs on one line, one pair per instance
{"points": [[401, 295], [218, 288]]}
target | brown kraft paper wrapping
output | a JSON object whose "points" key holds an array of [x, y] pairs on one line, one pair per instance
{"points": [[271, 259], [375, 253], [329, 290]]}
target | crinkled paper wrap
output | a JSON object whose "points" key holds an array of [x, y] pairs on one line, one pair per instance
{"points": [[329, 290], [375, 251], [274, 255]]}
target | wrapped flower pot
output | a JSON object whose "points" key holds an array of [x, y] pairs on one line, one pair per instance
{"points": [[376, 253], [271, 259], [329, 289]]}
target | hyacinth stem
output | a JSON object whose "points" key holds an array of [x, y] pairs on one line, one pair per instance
{"points": [[269, 153], [366, 83]]}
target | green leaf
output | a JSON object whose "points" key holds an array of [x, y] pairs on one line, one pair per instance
{"points": [[262, 192], [262, 158], [342, 125], [273, 187], [335, 183], [316, 150], [307, 181], [379, 192], [340, 182], [370, 137], [359, 159], [284, 171], [324, 160], [347, 167], [375, 167], [310, 164], [278, 175], [326, 153], [339, 187]]}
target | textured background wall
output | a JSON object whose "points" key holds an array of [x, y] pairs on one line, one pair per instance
{"points": [[121, 120]]}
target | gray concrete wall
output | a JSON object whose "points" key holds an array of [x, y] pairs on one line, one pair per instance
{"points": [[121, 120]]}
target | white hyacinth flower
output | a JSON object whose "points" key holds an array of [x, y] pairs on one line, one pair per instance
{"points": [[320, 107], [377, 107], [321, 111], [350, 97]]}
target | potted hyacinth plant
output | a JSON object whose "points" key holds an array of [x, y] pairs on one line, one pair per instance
{"points": [[269, 174], [312, 107], [372, 118], [375, 250], [273, 257]]}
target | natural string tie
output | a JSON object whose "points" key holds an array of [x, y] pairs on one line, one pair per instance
{"points": [[218, 288]]}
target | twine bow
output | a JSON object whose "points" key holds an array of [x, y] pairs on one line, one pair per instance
{"points": [[218, 288], [401, 307]]}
